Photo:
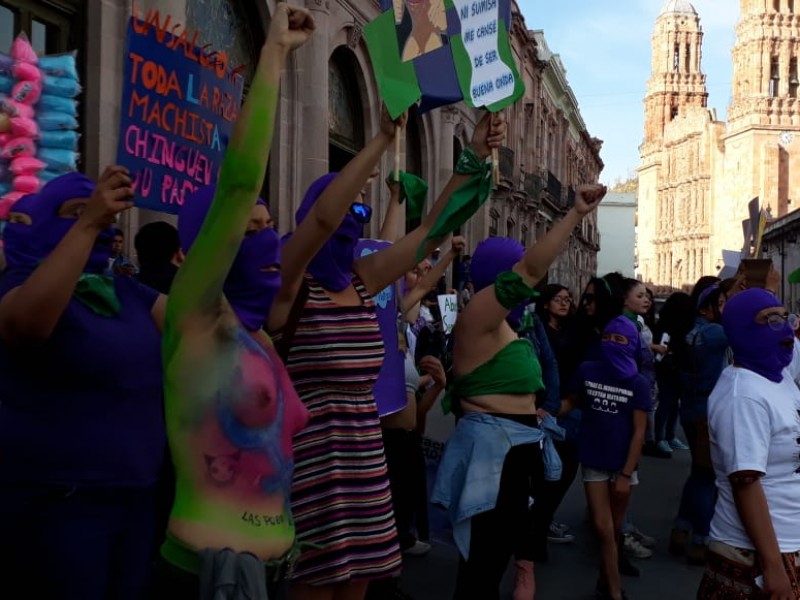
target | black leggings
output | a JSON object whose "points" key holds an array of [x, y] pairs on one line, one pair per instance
{"points": [[551, 494], [504, 531]]}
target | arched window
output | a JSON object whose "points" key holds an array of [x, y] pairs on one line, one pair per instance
{"points": [[510, 225], [225, 24], [494, 224], [345, 111], [413, 153]]}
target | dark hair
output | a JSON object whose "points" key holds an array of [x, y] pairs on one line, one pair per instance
{"points": [[118, 232], [156, 243], [607, 299], [676, 317], [546, 294], [711, 302], [650, 315], [702, 284]]}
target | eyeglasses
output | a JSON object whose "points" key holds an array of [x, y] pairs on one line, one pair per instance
{"points": [[777, 321], [561, 300], [588, 298], [361, 212]]}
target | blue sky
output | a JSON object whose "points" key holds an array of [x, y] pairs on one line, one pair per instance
{"points": [[605, 48]]}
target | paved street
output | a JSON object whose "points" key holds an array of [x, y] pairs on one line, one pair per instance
{"points": [[571, 572]]}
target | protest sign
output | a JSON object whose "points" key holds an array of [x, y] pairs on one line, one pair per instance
{"points": [[448, 305], [441, 52], [179, 104], [390, 389]]}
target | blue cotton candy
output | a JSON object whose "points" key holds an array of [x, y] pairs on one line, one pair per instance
{"points": [[48, 175], [4, 188], [59, 65], [48, 102], [65, 87], [6, 62], [58, 160], [6, 83], [63, 140], [55, 121]]}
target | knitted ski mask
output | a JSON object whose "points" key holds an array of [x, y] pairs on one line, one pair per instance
{"points": [[27, 245], [621, 358], [332, 267], [494, 256], [248, 287], [757, 346]]}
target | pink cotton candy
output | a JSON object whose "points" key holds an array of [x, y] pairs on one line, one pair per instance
{"points": [[26, 165], [22, 50], [15, 109], [27, 184], [22, 127], [7, 202], [27, 92], [18, 147], [25, 71]]}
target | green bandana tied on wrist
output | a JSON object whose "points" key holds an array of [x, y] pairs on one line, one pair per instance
{"points": [[412, 188], [466, 200], [98, 293]]}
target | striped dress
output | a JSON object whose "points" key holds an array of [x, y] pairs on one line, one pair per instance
{"points": [[340, 497]]}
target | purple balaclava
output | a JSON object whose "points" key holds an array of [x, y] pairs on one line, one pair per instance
{"points": [[332, 267], [621, 358], [494, 256], [249, 288], [757, 346], [27, 245]]}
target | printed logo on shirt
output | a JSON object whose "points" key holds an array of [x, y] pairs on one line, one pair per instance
{"points": [[606, 398]]}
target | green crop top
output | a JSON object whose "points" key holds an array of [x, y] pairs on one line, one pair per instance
{"points": [[513, 370]]}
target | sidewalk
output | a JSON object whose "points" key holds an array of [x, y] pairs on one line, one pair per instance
{"points": [[571, 571]]}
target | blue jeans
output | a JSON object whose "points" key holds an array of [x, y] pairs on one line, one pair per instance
{"points": [[700, 491], [77, 544], [667, 411]]}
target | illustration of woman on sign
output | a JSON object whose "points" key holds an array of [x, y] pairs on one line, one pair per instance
{"points": [[421, 26]]}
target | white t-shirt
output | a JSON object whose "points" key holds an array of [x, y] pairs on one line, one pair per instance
{"points": [[755, 426]]}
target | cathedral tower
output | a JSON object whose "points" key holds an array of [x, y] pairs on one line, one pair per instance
{"points": [[677, 88], [676, 78]]}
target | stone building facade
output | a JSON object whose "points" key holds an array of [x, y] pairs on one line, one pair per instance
{"points": [[697, 173], [329, 108]]}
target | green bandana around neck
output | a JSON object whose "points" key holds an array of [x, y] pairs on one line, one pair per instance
{"points": [[98, 293]]}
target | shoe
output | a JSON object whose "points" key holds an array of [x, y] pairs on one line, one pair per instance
{"points": [[651, 449], [678, 540], [418, 549], [633, 548], [626, 567], [645, 540], [524, 580], [559, 535], [696, 554], [561, 526], [664, 447], [676, 444]]}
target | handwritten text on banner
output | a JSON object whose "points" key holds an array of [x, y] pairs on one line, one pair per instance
{"points": [[179, 104]]}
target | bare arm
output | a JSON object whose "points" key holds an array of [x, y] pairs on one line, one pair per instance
{"points": [[324, 219], [29, 313], [484, 313], [751, 504], [395, 220], [382, 268], [431, 278], [635, 448], [197, 290]]}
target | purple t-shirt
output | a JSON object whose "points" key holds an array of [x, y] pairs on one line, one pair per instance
{"points": [[608, 403], [85, 408]]}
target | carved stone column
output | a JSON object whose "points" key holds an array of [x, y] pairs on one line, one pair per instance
{"points": [[312, 63]]}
